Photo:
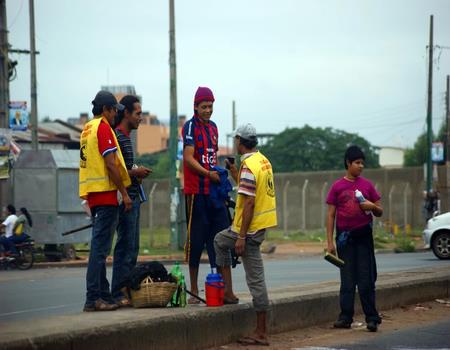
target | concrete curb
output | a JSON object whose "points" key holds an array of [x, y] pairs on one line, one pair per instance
{"points": [[200, 327]]}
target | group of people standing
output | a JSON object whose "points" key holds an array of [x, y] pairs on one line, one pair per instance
{"points": [[110, 181]]}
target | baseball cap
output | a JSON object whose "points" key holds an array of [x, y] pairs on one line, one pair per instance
{"points": [[203, 93], [246, 131], [105, 98]]}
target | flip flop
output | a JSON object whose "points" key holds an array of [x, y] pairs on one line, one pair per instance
{"points": [[253, 341], [228, 301], [193, 301]]}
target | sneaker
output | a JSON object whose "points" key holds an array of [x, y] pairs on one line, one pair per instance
{"points": [[372, 326], [342, 324], [100, 305]]}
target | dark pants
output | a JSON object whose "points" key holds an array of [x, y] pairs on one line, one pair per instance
{"points": [[104, 224], [206, 222], [10, 243], [127, 246], [359, 270]]}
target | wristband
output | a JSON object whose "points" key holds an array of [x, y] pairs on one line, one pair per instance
{"points": [[243, 238]]}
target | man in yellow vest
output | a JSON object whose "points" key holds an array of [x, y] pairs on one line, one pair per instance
{"points": [[103, 178], [255, 212]]}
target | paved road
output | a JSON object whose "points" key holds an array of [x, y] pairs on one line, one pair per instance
{"points": [[59, 291], [431, 337]]}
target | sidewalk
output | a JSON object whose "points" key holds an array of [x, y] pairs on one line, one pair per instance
{"points": [[198, 327]]}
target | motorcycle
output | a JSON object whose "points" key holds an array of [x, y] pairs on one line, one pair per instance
{"points": [[23, 260]]}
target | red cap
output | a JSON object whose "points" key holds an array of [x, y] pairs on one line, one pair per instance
{"points": [[203, 94]]}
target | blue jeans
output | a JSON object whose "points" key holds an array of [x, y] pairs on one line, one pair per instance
{"points": [[9, 243], [104, 224], [127, 246], [359, 270]]}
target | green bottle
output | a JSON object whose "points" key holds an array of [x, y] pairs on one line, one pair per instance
{"points": [[183, 292], [177, 274]]}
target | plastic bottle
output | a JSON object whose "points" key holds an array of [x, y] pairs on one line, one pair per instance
{"points": [[182, 292], [178, 275], [360, 197]]}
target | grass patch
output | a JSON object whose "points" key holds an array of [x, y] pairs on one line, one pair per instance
{"points": [[404, 245]]}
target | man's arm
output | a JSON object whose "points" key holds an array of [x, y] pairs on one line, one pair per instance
{"points": [[331, 216], [247, 217], [113, 172], [375, 208], [193, 164]]}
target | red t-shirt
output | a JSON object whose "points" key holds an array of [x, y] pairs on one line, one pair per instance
{"points": [[106, 145], [349, 215]]}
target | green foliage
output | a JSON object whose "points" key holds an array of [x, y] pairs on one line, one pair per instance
{"points": [[158, 162], [417, 155], [313, 149], [404, 245]]}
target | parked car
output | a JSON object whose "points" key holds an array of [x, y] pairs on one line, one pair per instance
{"points": [[437, 235]]}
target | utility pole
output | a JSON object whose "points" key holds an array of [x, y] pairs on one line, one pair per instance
{"points": [[34, 118], [4, 78], [233, 125], [173, 141], [447, 111], [429, 109]]}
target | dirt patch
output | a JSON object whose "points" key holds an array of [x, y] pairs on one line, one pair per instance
{"points": [[325, 335]]}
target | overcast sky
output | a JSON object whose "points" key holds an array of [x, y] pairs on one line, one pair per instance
{"points": [[359, 66]]}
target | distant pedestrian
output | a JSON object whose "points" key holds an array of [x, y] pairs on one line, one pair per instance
{"points": [[8, 224], [102, 174], [127, 245], [352, 200], [205, 218], [254, 213]]}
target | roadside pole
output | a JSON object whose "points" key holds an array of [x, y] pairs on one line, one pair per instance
{"points": [[173, 141], [33, 117], [4, 79], [429, 186]]}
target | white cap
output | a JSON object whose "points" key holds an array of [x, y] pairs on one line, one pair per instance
{"points": [[246, 131]]}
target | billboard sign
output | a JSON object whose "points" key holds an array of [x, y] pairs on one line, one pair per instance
{"points": [[18, 115]]}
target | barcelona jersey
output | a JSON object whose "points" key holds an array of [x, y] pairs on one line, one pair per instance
{"points": [[204, 138]]}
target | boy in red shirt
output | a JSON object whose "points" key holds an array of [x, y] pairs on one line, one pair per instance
{"points": [[351, 202]]}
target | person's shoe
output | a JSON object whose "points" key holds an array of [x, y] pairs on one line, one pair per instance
{"points": [[100, 305], [372, 326], [342, 324]]}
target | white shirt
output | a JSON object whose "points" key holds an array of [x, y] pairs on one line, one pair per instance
{"points": [[9, 224]]}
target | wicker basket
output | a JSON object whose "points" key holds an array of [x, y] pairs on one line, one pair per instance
{"points": [[152, 294]]}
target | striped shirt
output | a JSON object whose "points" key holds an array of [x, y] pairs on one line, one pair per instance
{"points": [[247, 181], [128, 156]]}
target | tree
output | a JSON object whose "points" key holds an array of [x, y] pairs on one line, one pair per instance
{"points": [[417, 155], [314, 149], [158, 162]]}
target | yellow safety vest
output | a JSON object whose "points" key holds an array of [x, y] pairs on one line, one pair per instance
{"points": [[265, 212], [94, 176]]}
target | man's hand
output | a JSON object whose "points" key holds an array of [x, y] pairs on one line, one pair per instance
{"points": [[239, 247], [214, 176], [331, 248], [367, 205], [127, 201], [141, 172], [233, 169]]}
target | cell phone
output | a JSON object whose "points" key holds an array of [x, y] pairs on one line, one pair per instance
{"points": [[231, 161]]}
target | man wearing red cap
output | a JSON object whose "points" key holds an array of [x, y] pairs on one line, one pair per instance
{"points": [[205, 219]]}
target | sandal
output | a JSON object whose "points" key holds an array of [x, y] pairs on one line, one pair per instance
{"points": [[253, 340], [230, 301]]}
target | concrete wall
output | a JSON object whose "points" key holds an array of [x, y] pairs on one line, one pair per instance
{"points": [[401, 191]]}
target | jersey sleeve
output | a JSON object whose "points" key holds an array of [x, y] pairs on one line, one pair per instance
{"points": [[106, 143], [188, 134]]}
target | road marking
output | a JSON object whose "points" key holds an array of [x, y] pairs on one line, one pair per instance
{"points": [[38, 309]]}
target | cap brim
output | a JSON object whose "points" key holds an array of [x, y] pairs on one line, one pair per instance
{"points": [[120, 107]]}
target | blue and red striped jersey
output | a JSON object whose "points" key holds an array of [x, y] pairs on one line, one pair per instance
{"points": [[204, 138]]}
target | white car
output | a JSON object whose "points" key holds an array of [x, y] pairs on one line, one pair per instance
{"points": [[437, 235]]}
